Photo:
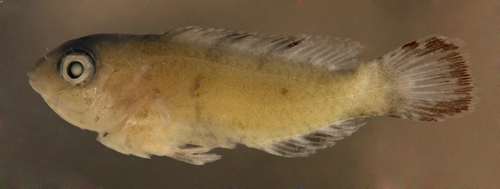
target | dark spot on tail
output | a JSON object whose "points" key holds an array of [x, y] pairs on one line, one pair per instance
{"points": [[434, 44], [453, 92], [431, 45], [436, 110]]}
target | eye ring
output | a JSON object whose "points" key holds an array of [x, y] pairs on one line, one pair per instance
{"points": [[77, 67]]}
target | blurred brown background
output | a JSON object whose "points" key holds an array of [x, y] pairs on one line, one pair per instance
{"points": [[39, 149]]}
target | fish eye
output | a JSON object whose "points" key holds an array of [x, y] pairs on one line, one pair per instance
{"points": [[76, 67]]}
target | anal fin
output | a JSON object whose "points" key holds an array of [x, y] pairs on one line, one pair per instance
{"points": [[303, 145]]}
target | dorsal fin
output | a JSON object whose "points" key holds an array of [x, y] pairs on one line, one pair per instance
{"points": [[326, 52], [302, 146]]}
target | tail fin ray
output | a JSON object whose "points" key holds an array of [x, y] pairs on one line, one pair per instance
{"points": [[431, 79]]}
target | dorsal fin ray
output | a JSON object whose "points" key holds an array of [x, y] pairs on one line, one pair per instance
{"points": [[324, 52]]}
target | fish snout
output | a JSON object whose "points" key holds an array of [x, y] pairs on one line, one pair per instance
{"points": [[35, 78], [32, 74], [32, 80], [39, 71]]}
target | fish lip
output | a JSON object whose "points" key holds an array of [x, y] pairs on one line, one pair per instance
{"points": [[30, 74], [33, 73], [32, 83], [33, 79]]}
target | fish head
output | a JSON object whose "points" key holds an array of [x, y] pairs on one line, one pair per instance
{"points": [[73, 81]]}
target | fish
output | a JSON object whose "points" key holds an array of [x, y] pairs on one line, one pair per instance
{"points": [[190, 90]]}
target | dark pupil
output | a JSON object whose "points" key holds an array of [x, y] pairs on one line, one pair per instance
{"points": [[74, 70]]}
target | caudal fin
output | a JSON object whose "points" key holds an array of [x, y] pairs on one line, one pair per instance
{"points": [[431, 79]]}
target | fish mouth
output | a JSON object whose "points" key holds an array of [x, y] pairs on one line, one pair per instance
{"points": [[34, 74], [32, 82], [33, 79], [31, 75]]}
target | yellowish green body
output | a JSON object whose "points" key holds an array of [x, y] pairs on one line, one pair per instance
{"points": [[250, 99], [188, 91]]}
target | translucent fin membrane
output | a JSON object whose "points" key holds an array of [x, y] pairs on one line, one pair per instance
{"points": [[431, 79], [302, 146], [324, 52]]}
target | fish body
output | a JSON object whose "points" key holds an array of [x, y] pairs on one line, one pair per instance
{"points": [[185, 92]]}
